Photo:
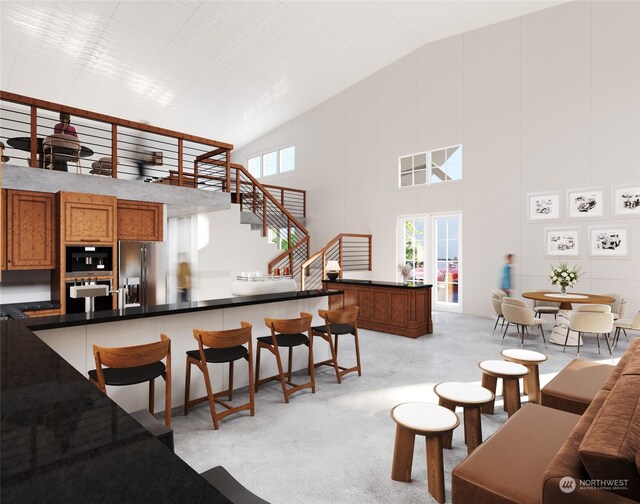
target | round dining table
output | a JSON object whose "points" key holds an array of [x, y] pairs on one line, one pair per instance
{"points": [[24, 144], [560, 334], [566, 300]]}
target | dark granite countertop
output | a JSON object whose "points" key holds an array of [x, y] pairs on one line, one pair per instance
{"points": [[15, 310], [374, 283], [62, 441]]}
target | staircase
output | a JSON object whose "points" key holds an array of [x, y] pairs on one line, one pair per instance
{"points": [[279, 213], [352, 251]]}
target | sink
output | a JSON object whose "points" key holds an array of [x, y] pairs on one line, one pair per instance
{"points": [[88, 291]]}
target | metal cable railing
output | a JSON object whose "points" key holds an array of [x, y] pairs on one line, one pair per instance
{"points": [[351, 251], [111, 146]]}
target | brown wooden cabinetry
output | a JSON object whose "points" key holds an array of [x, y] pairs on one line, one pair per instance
{"points": [[3, 229], [87, 218], [386, 307], [139, 221], [31, 230], [42, 313]]}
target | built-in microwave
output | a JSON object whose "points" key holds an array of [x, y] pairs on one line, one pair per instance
{"points": [[89, 261]]}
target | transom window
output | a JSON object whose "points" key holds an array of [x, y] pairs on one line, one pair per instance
{"points": [[272, 163], [431, 167]]}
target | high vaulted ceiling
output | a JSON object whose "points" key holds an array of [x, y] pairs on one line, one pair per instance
{"points": [[227, 70]]}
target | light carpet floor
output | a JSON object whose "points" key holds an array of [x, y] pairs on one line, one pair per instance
{"points": [[336, 446]]}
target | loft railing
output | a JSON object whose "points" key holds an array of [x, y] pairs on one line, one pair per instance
{"points": [[352, 251], [113, 146], [277, 223]]}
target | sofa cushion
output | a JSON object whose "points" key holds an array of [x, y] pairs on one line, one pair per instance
{"points": [[508, 467], [631, 358], [610, 446], [575, 386], [567, 463]]}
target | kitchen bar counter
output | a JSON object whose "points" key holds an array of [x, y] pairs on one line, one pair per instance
{"points": [[395, 308], [62, 441]]}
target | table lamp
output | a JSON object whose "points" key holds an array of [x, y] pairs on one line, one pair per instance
{"points": [[333, 269]]}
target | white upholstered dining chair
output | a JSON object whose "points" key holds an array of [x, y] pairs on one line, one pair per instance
{"points": [[591, 319]]}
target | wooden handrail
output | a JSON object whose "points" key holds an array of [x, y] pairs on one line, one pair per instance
{"points": [[338, 239], [57, 107], [270, 196]]}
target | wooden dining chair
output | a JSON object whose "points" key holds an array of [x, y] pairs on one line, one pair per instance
{"points": [[220, 347], [135, 364], [287, 333], [337, 322]]}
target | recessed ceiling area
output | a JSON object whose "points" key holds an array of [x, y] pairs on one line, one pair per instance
{"points": [[226, 70]]}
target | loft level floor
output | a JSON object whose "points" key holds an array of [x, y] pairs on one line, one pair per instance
{"points": [[180, 200]]}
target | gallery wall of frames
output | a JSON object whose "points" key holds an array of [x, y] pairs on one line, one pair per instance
{"points": [[605, 209]]}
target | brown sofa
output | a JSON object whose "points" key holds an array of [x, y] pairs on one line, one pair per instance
{"points": [[552, 455]]}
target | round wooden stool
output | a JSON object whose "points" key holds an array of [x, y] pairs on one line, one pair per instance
{"points": [[530, 360], [471, 397], [510, 372], [427, 420]]}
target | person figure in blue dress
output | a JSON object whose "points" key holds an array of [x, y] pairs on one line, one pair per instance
{"points": [[505, 281]]}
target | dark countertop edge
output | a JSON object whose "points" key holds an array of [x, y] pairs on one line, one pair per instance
{"points": [[372, 283], [15, 310], [99, 317]]}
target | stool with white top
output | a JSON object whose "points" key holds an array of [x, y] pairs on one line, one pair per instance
{"points": [[530, 360], [424, 419], [471, 398], [510, 372]]}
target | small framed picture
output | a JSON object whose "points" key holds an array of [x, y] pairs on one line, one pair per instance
{"points": [[585, 203], [544, 206], [562, 241], [626, 201], [608, 241]]}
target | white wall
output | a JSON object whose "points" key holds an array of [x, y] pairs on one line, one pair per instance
{"points": [[225, 248], [549, 101]]}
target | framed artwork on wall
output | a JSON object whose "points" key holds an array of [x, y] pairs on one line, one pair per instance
{"points": [[626, 200], [562, 241], [608, 241], [585, 203], [544, 206]]}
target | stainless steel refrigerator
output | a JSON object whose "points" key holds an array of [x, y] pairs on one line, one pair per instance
{"points": [[142, 272]]}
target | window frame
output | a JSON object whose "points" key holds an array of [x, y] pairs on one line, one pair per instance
{"points": [[447, 305], [278, 161], [429, 167]]}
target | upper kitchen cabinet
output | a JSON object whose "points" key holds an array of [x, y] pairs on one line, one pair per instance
{"points": [[31, 230], [3, 229], [87, 218], [139, 221]]}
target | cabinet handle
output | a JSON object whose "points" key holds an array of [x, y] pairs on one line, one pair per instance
{"points": [[9, 260]]}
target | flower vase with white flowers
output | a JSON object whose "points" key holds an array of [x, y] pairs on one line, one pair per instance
{"points": [[405, 271], [565, 276]]}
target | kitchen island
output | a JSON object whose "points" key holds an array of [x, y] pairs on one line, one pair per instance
{"points": [[64, 441], [389, 307]]}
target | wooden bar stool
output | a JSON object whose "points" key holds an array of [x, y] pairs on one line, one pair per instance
{"points": [[471, 398], [339, 322], [220, 347], [287, 333], [431, 421], [135, 364], [510, 372], [530, 360]]}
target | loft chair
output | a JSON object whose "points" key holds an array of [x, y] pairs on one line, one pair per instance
{"points": [[337, 322], [218, 347], [61, 148], [287, 333], [135, 364]]}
